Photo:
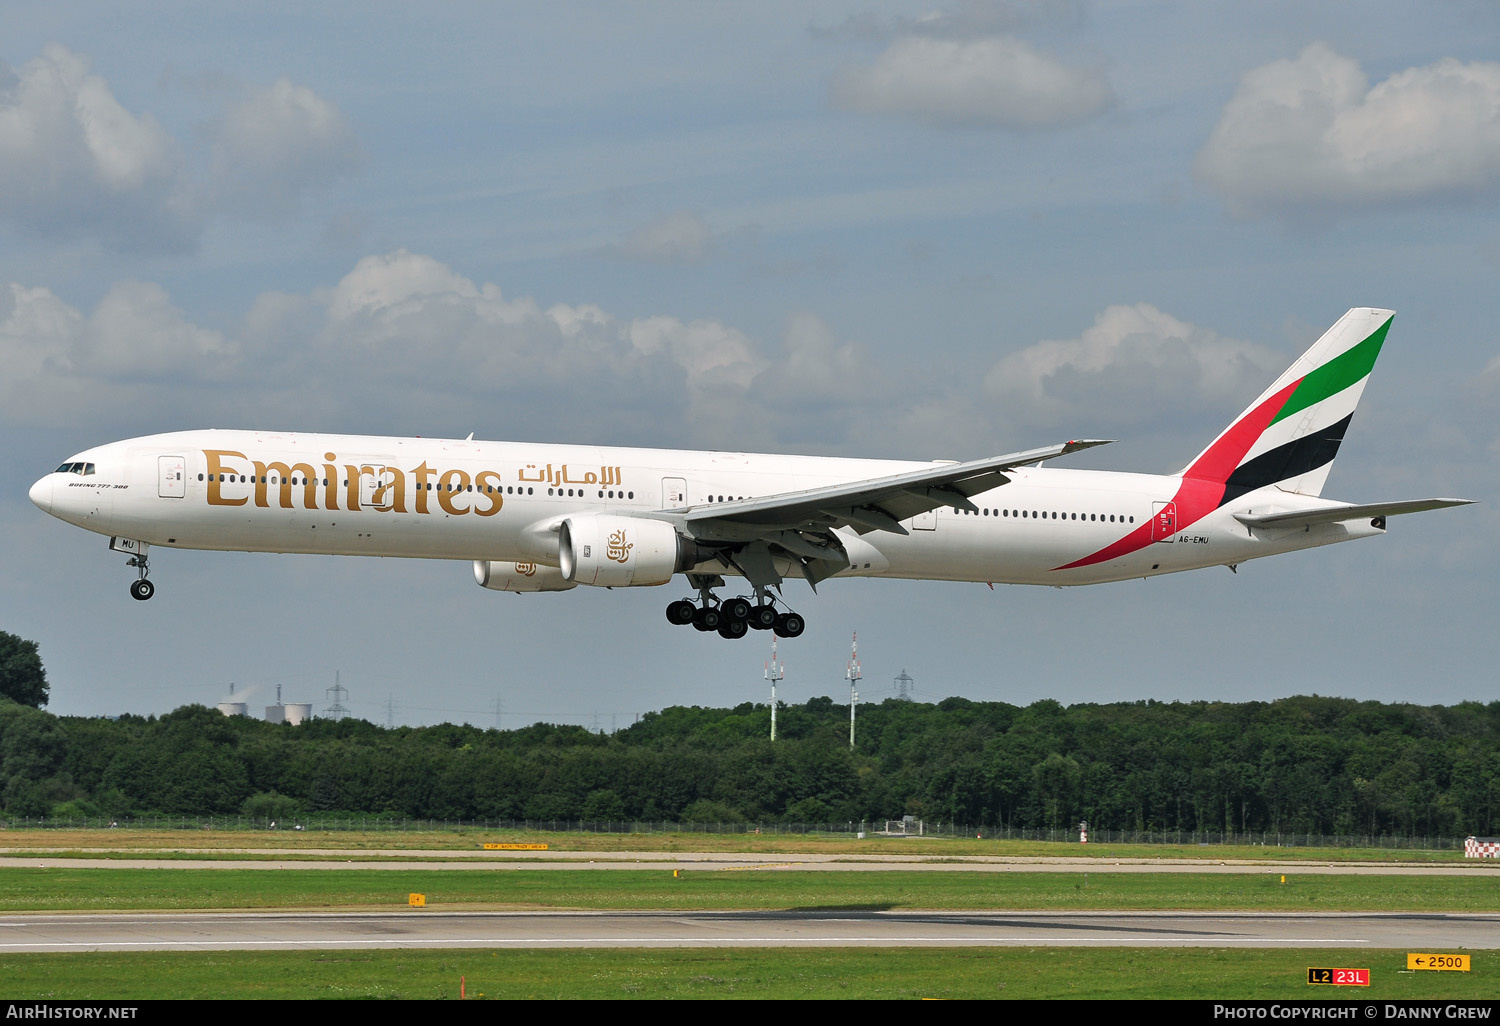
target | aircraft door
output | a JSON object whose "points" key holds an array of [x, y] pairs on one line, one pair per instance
{"points": [[378, 487], [673, 493], [1163, 521], [171, 477], [925, 521]]}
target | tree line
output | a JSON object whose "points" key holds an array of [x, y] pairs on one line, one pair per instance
{"points": [[1306, 764]]}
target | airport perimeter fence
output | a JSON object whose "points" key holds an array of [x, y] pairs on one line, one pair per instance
{"points": [[876, 828]]}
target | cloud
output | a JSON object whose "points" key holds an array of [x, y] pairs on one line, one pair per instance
{"points": [[823, 390], [1311, 132], [73, 161], [997, 81], [681, 237], [1134, 368], [136, 333], [403, 343], [136, 348], [273, 146]]}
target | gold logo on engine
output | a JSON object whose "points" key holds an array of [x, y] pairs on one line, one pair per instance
{"points": [[526, 569], [619, 549]]}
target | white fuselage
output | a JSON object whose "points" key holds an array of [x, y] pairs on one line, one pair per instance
{"points": [[474, 500]]}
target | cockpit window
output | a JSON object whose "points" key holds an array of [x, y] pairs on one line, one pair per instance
{"points": [[75, 468]]}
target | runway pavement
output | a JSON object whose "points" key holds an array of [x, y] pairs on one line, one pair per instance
{"points": [[53, 932], [357, 859], [214, 931]]}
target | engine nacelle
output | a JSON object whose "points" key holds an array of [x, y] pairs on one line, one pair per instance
{"points": [[622, 552], [505, 576]]}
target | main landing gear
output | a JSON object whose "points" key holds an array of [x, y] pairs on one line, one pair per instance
{"points": [[732, 617]]}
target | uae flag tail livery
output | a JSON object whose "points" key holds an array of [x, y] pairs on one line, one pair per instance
{"points": [[1280, 450], [1289, 436], [546, 517]]}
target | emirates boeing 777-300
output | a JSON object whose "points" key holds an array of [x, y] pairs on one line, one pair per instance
{"points": [[535, 517]]}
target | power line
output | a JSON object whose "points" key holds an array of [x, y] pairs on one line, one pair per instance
{"points": [[336, 709], [903, 683]]}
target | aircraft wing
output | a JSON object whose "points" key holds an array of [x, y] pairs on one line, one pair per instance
{"points": [[751, 533], [1338, 514], [875, 504]]}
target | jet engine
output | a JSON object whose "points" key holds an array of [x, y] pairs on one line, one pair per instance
{"points": [[620, 552], [505, 576]]}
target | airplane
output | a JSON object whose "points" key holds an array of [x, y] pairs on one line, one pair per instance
{"points": [[534, 517]]}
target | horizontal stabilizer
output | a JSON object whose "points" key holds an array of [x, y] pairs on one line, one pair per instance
{"points": [[1341, 513]]}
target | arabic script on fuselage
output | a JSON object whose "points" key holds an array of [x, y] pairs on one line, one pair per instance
{"points": [[235, 479]]}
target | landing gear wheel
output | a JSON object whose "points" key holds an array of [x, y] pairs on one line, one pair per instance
{"points": [[790, 625], [707, 618], [763, 617], [142, 589], [681, 612], [736, 609], [733, 629]]}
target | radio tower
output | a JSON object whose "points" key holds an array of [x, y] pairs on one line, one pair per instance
{"points": [[336, 696], [774, 672], [852, 675]]}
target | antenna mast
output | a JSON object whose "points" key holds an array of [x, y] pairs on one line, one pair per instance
{"points": [[774, 672], [852, 675]]}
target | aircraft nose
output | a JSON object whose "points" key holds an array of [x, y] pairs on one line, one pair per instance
{"points": [[41, 493]]}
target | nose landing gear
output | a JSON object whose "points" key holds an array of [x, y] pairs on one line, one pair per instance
{"points": [[140, 588]]}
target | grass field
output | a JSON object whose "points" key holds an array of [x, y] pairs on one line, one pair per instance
{"points": [[841, 973], [158, 842], [23, 890], [720, 973]]}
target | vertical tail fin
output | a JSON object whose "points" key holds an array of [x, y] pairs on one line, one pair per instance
{"points": [[1290, 435]]}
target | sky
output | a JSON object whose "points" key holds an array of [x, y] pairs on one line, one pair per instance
{"points": [[868, 229]]}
